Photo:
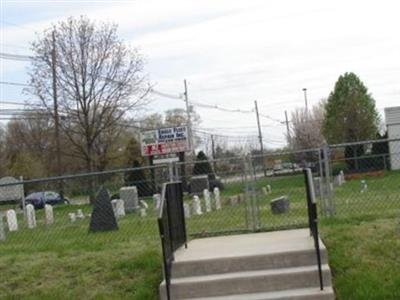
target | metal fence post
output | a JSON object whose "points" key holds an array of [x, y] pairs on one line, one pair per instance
{"points": [[329, 203]]}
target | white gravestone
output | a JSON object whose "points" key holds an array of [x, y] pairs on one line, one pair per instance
{"points": [[143, 212], [156, 201], [49, 216], [12, 220], [79, 214], [217, 197], [207, 200], [269, 189], [264, 191], [31, 216], [197, 206], [114, 207], [130, 196], [364, 186], [120, 208], [2, 232], [186, 210], [341, 173], [72, 217], [144, 204]]}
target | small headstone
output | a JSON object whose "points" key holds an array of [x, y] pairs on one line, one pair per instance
{"points": [[130, 196], [156, 201], [114, 207], [143, 212], [269, 189], [72, 217], [103, 218], [363, 187], [186, 210], [233, 200], [264, 191], [343, 179], [336, 181], [31, 216], [79, 214], [280, 205], [207, 200], [2, 232], [120, 208], [241, 198], [217, 197], [48, 210], [144, 204], [197, 206], [12, 220]]}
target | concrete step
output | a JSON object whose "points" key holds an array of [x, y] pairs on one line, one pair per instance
{"points": [[296, 294], [278, 260], [247, 282]]}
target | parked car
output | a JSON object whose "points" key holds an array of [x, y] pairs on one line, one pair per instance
{"points": [[39, 199]]}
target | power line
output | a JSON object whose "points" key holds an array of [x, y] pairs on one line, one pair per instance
{"points": [[17, 57], [14, 83]]}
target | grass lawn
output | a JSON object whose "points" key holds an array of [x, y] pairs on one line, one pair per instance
{"points": [[64, 261], [364, 256]]}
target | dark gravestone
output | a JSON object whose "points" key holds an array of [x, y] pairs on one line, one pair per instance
{"points": [[280, 205], [198, 184], [103, 218]]}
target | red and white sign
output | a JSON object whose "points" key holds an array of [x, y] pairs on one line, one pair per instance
{"points": [[164, 141]]}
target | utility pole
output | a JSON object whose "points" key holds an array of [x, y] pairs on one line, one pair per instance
{"points": [[213, 153], [189, 122], [305, 99], [260, 138], [56, 117], [287, 128]]}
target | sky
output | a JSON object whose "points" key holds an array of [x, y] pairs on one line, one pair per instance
{"points": [[232, 52]]}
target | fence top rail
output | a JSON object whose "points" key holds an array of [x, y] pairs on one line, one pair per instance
{"points": [[82, 175], [363, 143]]}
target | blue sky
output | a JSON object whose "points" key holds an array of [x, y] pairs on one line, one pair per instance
{"points": [[233, 52]]}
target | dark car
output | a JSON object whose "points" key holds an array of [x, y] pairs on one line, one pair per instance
{"points": [[39, 199]]}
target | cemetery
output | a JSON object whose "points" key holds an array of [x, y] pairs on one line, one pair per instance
{"points": [[54, 233]]}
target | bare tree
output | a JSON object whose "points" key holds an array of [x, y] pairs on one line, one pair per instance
{"points": [[306, 127], [99, 80]]}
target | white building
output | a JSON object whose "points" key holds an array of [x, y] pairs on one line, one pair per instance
{"points": [[392, 116]]}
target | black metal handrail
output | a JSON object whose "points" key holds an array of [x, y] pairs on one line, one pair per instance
{"points": [[313, 219], [172, 227]]}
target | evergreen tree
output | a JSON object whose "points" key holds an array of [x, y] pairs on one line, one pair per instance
{"points": [[202, 165], [137, 178]]}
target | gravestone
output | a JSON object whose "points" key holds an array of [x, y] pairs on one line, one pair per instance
{"points": [[198, 184], [233, 200], [197, 206], [72, 217], [103, 218], [120, 208], [280, 205], [217, 197], [114, 207], [144, 204], [79, 214], [264, 191], [157, 201], [12, 220], [2, 232], [343, 179], [31, 216], [241, 198], [48, 211], [11, 192], [207, 200], [143, 212], [186, 210], [269, 189], [363, 186], [131, 199]]}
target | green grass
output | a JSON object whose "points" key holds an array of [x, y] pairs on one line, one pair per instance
{"points": [[64, 261], [364, 257]]}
